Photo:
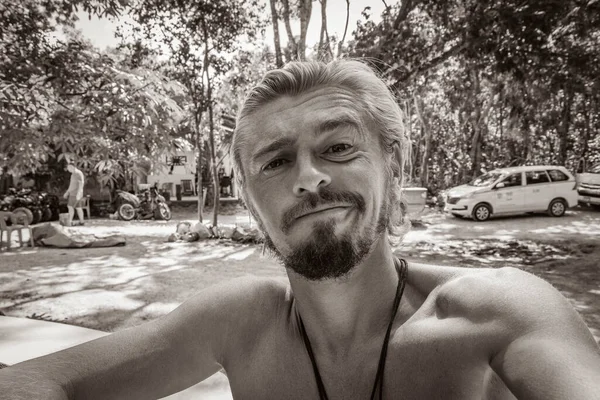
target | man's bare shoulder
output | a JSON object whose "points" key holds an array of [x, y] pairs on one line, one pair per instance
{"points": [[243, 295], [505, 302]]}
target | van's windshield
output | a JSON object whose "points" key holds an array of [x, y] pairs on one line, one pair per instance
{"points": [[486, 179]]}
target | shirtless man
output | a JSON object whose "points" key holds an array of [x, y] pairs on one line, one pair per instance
{"points": [[74, 193], [319, 152]]}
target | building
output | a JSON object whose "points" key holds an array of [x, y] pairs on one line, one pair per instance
{"points": [[181, 170]]}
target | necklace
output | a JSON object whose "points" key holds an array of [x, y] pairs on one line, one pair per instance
{"points": [[402, 269]]}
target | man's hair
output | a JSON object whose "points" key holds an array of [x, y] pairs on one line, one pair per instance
{"points": [[372, 94]]}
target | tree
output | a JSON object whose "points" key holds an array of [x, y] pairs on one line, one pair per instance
{"points": [[65, 99], [276, 37], [490, 83], [198, 35]]}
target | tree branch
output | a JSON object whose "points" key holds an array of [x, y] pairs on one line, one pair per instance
{"points": [[288, 26], [339, 52], [434, 62]]}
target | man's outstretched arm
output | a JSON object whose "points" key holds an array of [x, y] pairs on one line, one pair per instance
{"points": [[550, 352], [149, 361]]}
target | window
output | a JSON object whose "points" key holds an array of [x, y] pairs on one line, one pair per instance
{"points": [[536, 177], [557, 175], [176, 160], [486, 179], [513, 180]]}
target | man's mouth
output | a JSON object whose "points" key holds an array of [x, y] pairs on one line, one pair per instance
{"points": [[320, 210]]}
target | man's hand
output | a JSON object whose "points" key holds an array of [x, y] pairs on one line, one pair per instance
{"points": [[66, 195]]}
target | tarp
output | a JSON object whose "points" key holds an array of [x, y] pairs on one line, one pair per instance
{"points": [[53, 235]]}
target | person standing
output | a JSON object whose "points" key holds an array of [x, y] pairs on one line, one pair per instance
{"points": [[74, 193]]}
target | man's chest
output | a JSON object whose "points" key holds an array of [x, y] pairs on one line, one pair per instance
{"points": [[420, 364]]}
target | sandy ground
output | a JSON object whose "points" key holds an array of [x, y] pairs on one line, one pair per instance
{"points": [[115, 288]]}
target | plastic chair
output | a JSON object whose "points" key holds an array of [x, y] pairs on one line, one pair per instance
{"points": [[85, 205], [15, 226]]}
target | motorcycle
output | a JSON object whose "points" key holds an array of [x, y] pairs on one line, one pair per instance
{"points": [[146, 205], [29, 205]]}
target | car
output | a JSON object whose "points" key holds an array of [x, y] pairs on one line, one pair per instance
{"points": [[588, 184], [513, 190]]}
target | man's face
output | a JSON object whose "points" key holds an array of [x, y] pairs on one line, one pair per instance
{"points": [[316, 181]]}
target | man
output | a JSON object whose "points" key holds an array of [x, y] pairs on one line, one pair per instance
{"points": [[74, 193], [319, 152]]}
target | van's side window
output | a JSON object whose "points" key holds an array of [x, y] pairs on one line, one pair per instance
{"points": [[536, 177], [513, 180], [557, 175]]}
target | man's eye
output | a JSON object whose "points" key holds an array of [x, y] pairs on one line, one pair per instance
{"points": [[338, 148], [275, 164]]}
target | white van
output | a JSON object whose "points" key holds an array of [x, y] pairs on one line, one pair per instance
{"points": [[514, 190]]}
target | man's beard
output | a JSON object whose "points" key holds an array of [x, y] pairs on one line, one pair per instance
{"points": [[325, 255]]}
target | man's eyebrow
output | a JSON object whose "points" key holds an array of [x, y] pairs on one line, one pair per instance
{"points": [[273, 146], [340, 121]]}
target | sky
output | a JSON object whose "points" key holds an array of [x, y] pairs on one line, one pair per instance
{"points": [[101, 31]]}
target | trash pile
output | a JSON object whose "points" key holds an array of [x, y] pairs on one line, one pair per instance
{"points": [[186, 232]]}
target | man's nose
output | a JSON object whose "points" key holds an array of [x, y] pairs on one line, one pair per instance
{"points": [[311, 178]]}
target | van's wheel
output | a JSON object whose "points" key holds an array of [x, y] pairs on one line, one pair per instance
{"points": [[482, 212], [557, 208]]}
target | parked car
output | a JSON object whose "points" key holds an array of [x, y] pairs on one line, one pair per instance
{"points": [[514, 190], [588, 184]]}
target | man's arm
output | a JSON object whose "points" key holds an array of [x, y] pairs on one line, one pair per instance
{"points": [[532, 337], [149, 361], [550, 352]]}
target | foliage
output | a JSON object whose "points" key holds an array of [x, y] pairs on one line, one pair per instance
{"points": [[198, 37], [64, 99], [489, 84]]}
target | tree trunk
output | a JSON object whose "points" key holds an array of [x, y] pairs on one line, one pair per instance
{"points": [[476, 125], [341, 43], [323, 40], [563, 129], [213, 164], [211, 129], [198, 144], [526, 130], [426, 133], [288, 28], [586, 130], [275, 20], [305, 11]]}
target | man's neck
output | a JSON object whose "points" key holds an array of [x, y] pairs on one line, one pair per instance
{"points": [[340, 313]]}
